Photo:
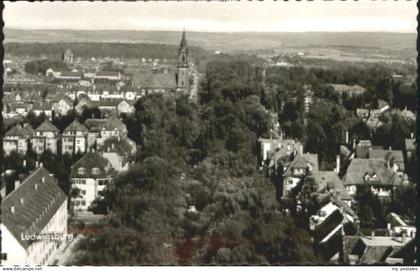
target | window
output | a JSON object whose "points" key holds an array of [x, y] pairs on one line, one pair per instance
{"points": [[95, 171], [82, 192], [374, 177], [102, 182], [79, 181], [81, 170]]}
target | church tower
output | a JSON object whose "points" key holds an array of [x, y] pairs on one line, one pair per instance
{"points": [[182, 75], [68, 56]]}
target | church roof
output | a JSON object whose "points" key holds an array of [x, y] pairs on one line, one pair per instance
{"points": [[183, 40]]}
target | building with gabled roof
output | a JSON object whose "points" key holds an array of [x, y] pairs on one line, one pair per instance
{"points": [[119, 152], [300, 167], [62, 106], [90, 175], [38, 208], [17, 139], [43, 107], [94, 126], [74, 138], [374, 173], [372, 249], [45, 138], [394, 158], [112, 127]]}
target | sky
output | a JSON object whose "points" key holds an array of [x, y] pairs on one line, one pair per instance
{"points": [[267, 16]]}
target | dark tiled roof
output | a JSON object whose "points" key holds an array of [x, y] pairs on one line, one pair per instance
{"points": [[39, 205], [302, 161], [16, 131], [47, 126], [360, 167], [120, 145], [94, 124], [113, 123], [154, 80], [396, 155], [42, 106], [329, 180], [89, 161], [362, 151], [75, 126]]}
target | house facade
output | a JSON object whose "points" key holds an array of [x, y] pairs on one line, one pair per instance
{"points": [[74, 138], [63, 106], [17, 139], [302, 165], [46, 138], [119, 152], [373, 173], [90, 175]]}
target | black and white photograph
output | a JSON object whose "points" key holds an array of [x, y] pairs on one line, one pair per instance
{"points": [[201, 133]]}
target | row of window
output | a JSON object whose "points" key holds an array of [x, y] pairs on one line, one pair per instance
{"points": [[82, 171], [79, 203]]}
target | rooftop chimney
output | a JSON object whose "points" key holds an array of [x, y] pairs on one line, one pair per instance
{"points": [[24, 163], [337, 168], [21, 201], [36, 186], [43, 179], [17, 183], [404, 237], [112, 145], [372, 235], [412, 135], [12, 209], [347, 137], [390, 148], [301, 149], [36, 164]]}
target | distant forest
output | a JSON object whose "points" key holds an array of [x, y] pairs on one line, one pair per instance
{"points": [[93, 49]]}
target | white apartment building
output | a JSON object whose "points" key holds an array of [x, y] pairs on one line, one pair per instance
{"points": [[36, 208]]}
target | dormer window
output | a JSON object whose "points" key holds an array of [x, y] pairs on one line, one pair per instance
{"points": [[374, 177], [367, 177], [81, 171], [95, 171]]}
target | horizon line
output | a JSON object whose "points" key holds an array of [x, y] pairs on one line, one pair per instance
{"points": [[204, 31]]}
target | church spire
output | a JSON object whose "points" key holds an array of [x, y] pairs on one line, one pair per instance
{"points": [[184, 39]]}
